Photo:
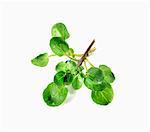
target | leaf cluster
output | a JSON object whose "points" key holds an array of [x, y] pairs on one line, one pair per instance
{"points": [[99, 80], [69, 73]]}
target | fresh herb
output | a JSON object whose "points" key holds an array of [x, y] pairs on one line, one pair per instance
{"points": [[74, 72]]}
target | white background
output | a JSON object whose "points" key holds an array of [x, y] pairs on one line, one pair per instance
{"points": [[120, 34]]}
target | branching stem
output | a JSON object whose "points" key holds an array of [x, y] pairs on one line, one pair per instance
{"points": [[89, 53], [86, 53], [83, 56], [89, 62], [65, 55], [85, 65], [78, 55], [71, 58]]}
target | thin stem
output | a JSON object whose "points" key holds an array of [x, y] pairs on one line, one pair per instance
{"points": [[89, 62], [89, 53], [78, 55], [71, 58], [51, 55], [85, 65], [85, 53]]}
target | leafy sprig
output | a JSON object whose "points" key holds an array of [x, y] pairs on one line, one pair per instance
{"points": [[74, 72]]}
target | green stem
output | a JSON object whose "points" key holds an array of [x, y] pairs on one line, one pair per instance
{"points": [[51, 55], [89, 62], [78, 55], [90, 52], [85, 53], [71, 58], [85, 65]]}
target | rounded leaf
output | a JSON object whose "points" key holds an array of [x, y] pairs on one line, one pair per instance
{"points": [[103, 97], [89, 83], [58, 46], [95, 86], [71, 66], [77, 82], [54, 95], [95, 74], [101, 86], [107, 73], [41, 60], [59, 78], [60, 30], [61, 66]]}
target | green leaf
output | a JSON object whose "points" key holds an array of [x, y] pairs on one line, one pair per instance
{"points": [[41, 60], [95, 74], [68, 66], [77, 82], [82, 74], [95, 86], [80, 68], [89, 83], [101, 86], [107, 73], [61, 66], [60, 30], [103, 97], [68, 78], [71, 66], [54, 95], [58, 46], [59, 78]]}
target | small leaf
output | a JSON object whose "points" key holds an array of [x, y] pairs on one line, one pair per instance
{"points": [[103, 97], [60, 30], [61, 66], [54, 95], [95, 74], [59, 78], [58, 46], [41, 60], [107, 73], [77, 82]]}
